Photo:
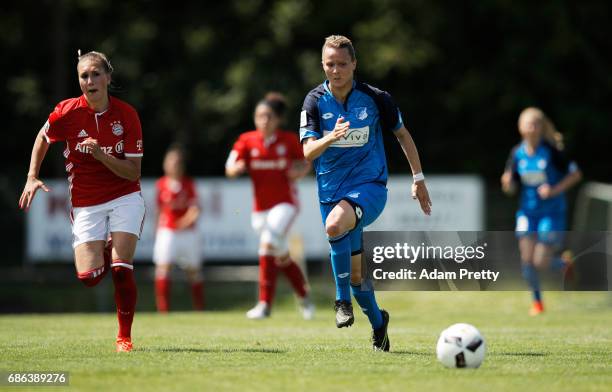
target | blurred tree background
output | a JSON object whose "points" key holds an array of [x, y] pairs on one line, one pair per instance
{"points": [[460, 71]]}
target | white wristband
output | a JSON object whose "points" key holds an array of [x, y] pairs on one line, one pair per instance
{"points": [[418, 177]]}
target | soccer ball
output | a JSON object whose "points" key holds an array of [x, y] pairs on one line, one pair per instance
{"points": [[461, 346]]}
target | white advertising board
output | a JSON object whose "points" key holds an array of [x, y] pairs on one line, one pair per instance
{"points": [[225, 223]]}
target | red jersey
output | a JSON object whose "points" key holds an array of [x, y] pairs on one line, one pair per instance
{"points": [[173, 199], [118, 133], [268, 162]]}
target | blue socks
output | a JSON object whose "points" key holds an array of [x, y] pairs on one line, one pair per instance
{"points": [[531, 276], [364, 294], [341, 265]]}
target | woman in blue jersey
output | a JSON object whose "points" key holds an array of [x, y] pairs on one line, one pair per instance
{"points": [[538, 164], [341, 130]]}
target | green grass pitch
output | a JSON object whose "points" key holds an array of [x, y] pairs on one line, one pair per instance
{"points": [[569, 348]]}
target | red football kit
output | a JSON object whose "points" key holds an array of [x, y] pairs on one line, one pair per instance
{"points": [[268, 162], [119, 134], [173, 200]]}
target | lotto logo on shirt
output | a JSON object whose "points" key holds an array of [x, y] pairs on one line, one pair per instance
{"points": [[355, 137]]}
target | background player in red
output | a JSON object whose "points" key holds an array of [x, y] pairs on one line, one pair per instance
{"points": [[274, 160], [103, 155], [176, 240]]}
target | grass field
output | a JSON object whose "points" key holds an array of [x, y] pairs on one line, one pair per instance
{"points": [[569, 348]]}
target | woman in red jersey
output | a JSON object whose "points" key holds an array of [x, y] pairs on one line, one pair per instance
{"points": [[274, 160], [176, 240], [103, 155]]}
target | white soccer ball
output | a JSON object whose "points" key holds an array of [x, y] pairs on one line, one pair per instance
{"points": [[461, 346]]}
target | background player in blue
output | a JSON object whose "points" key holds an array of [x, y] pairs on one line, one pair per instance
{"points": [[544, 174], [341, 129]]}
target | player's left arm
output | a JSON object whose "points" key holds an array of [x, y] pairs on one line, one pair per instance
{"points": [[419, 189], [572, 177], [193, 211], [128, 168], [299, 169]]}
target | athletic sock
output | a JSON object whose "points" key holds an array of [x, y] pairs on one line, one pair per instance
{"points": [[125, 296], [162, 294], [92, 277], [267, 278], [531, 276], [295, 276], [364, 295], [341, 265], [197, 295]]}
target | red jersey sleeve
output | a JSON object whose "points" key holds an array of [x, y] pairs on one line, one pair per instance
{"points": [[238, 151], [191, 193], [158, 187], [53, 129], [133, 135]]}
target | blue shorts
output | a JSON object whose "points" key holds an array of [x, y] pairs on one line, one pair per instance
{"points": [[371, 199], [549, 228]]}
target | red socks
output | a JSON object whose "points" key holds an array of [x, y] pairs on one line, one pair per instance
{"points": [[197, 295], [296, 277], [162, 294], [92, 277], [125, 296], [267, 278]]}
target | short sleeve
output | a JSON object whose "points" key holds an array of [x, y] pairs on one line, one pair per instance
{"points": [[561, 162], [54, 129], [133, 135], [238, 152], [191, 193], [390, 116], [158, 187], [309, 118]]}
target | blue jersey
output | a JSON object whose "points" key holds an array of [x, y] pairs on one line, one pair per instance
{"points": [[546, 166], [359, 157]]}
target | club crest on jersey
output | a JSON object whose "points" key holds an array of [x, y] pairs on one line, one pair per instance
{"points": [[281, 149], [254, 152], [117, 128], [362, 113]]}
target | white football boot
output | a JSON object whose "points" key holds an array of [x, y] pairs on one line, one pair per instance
{"points": [[260, 311]]}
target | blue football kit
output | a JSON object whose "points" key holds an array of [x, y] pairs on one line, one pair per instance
{"points": [[547, 165], [354, 169]]}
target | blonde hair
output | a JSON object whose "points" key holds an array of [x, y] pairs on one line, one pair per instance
{"points": [[98, 57], [549, 131], [339, 42]]}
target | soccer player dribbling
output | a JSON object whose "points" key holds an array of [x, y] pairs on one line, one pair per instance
{"points": [[103, 155], [545, 174], [341, 130], [273, 159], [176, 240]]}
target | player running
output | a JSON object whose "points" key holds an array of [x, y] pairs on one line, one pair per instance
{"points": [[341, 129], [103, 155], [176, 240], [274, 160], [545, 174]]}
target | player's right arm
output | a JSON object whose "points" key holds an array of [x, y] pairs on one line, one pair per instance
{"points": [[510, 175], [236, 164], [33, 183], [313, 147]]}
